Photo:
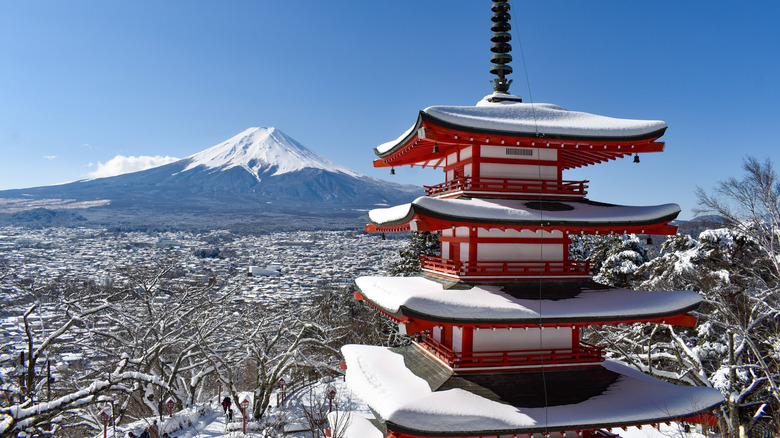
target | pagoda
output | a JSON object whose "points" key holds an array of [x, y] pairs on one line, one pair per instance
{"points": [[497, 319]]}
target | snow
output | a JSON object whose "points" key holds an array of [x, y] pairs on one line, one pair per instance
{"points": [[390, 214], [256, 149], [351, 425], [488, 302], [388, 379], [516, 210], [633, 398], [460, 410], [384, 147], [672, 430], [533, 118]]}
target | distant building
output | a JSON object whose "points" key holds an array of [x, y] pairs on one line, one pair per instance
{"points": [[166, 243], [270, 271]]}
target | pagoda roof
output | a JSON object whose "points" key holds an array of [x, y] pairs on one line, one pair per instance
{"points": [[583, 138], [563, 302], [432, 214], [415, 394]]}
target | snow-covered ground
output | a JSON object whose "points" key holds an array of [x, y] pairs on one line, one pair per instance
{"points": [[302, 264], [208, 420]]}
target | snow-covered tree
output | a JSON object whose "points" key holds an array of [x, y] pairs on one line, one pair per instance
{"points": [[614, 258], [156, 332], [735, 269], [729, 348], [258, 347], [149, 322], [31, 408], [421, 243], [349, 321], [136, 343], [749, 311], [751, 206]]}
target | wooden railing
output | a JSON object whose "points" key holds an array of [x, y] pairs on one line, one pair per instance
{"points": [[506, 268], [584, 353], [508, 186]]}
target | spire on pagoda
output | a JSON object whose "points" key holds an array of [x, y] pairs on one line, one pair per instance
{"points": [[501, 46]]}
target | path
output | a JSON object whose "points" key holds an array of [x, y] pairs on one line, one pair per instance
{"points": [[209, 424]]}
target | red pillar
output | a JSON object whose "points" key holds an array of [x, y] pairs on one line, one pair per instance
{"points": [[468, 339]]}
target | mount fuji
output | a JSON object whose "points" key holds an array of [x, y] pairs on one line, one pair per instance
{"points": [[260, 170]]}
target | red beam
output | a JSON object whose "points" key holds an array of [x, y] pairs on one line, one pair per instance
{"points": [[418, 149], [425, 223], [705, 418]]}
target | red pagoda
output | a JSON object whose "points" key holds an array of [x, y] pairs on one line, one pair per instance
{"points": [[498, 318]]}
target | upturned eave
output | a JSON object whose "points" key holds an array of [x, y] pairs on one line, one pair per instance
{"points": [[430, 139]]}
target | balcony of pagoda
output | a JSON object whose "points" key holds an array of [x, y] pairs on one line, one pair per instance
{"points": [[474, 361], [491, 270], [509, 188]]}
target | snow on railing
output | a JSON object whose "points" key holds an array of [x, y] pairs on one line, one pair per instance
{"points": [[508, 186], [584, 353], [464, 269]]}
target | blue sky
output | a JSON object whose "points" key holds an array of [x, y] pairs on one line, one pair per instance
{"points": [[84, 81]]}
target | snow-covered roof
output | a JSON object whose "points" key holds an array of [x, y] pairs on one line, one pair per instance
{"points": [[426, 299], [532, 119], [352, 425], [406, 402], [523, 211]]}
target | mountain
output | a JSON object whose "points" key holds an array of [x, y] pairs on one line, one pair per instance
{"points": [[701, 223], [259, 170], [262, 150]]}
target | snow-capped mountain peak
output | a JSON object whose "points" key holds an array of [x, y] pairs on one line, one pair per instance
{"points": [[260, 149]]}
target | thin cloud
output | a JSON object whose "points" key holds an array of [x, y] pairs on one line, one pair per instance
{"points": [[120, 165], [49, 157]]}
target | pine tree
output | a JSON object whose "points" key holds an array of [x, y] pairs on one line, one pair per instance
{"points": [[614, 258], [421, 243]]}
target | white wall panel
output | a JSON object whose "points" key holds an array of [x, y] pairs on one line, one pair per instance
{"points": [[436, 333], [457, 339], [517, 171], [517, 152], [521, 251], [522, 339], [462, 231], [510, 233], [464, 251]]}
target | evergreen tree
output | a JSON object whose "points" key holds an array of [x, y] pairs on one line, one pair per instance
{"points": [[421, 243], [614, 258], [622, 261], [737, 271]]}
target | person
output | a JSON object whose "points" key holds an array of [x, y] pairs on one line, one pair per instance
{"points": [[145, 433], [226, 404], [154, 432], [131, 435]]}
